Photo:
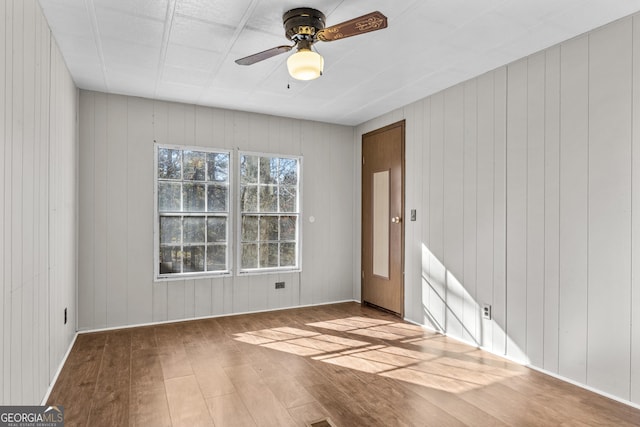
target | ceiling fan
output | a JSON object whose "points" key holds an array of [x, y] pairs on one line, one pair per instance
{"points": [[304, 26]]}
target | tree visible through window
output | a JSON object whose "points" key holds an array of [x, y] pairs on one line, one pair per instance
{"points": [[269, 212], [192, 211]]}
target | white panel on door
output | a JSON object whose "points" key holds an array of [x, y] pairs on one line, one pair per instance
{"points": [[381, 222]]}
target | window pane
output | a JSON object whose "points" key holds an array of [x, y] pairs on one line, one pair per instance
{"points": [[194, 230], [288, 172], [193, 196], [268, 228], [169, 196], [268, 170], [169, 163], [216, 257], [288, 199], [249, 257], [217, 196], [193, 258], [269, 205], [218, 167], [248, 169], [268, 255], [287, 254], [216, 229], [170, 260], [170, 230], [268, 198], [194, 163], [249, 198], [249, 228], [288, 227], [192, 187]]}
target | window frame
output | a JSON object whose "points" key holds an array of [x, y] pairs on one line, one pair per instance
{"points": [[239, 214], [230, 238]]}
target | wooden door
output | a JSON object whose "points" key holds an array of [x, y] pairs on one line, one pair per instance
{"points": [[382, 221]]}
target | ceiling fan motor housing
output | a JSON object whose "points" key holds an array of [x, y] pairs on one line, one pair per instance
{"points": [[304, 26], [303, 23]]}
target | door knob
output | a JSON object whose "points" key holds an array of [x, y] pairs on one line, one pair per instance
{"points": [[396, 220]]}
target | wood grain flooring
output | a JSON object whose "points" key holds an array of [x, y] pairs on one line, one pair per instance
{"points": [[351, 364]]}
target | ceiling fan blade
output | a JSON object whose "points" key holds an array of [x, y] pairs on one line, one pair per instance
{"points": [[261, 56], [370, 22]]}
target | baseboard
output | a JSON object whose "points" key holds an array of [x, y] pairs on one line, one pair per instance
{"points": [[586, 387], [535, 368], [75, 336], [472, 344], [57, 374], [428, 328], [214, 316]]}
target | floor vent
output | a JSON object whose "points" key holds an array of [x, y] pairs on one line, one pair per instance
{"points": [[322, 423]]}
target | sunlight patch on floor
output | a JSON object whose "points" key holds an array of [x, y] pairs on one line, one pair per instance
{"points": [[436, 362]]}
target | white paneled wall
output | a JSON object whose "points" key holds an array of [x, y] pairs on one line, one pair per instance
{"points": [[526, 185], [609, 254], [573, 259], [38, 212], [63, 208], [117, 135], [635, 218]]}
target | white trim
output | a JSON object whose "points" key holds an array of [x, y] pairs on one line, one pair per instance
{"points": [[213, 316], [58, 371], [195, 275], [157, 277], [156, 217], [413, 322], [238, 216], [535, 368], [264, 153], [267, 270], [586, 387]]}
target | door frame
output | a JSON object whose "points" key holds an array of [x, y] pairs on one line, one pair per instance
{"points": [[402, 125]]}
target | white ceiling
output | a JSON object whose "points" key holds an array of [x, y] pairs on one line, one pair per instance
{"points": [[184, 50]]}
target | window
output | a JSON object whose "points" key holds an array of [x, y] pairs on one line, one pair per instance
{"points": [[192, 211], [269, 212]]}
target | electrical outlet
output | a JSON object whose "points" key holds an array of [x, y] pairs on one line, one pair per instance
{"points": [[65, 315], [486, 311], [279, 285]]}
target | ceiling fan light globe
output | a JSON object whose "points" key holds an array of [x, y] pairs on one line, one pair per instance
{"points": [[305, 64]]}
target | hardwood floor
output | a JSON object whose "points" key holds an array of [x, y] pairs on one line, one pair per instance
{"points": [[352, 364]]}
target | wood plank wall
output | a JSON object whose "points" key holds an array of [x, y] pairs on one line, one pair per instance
{"points": [[526, 185], [116, 285], [39, 204]]}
